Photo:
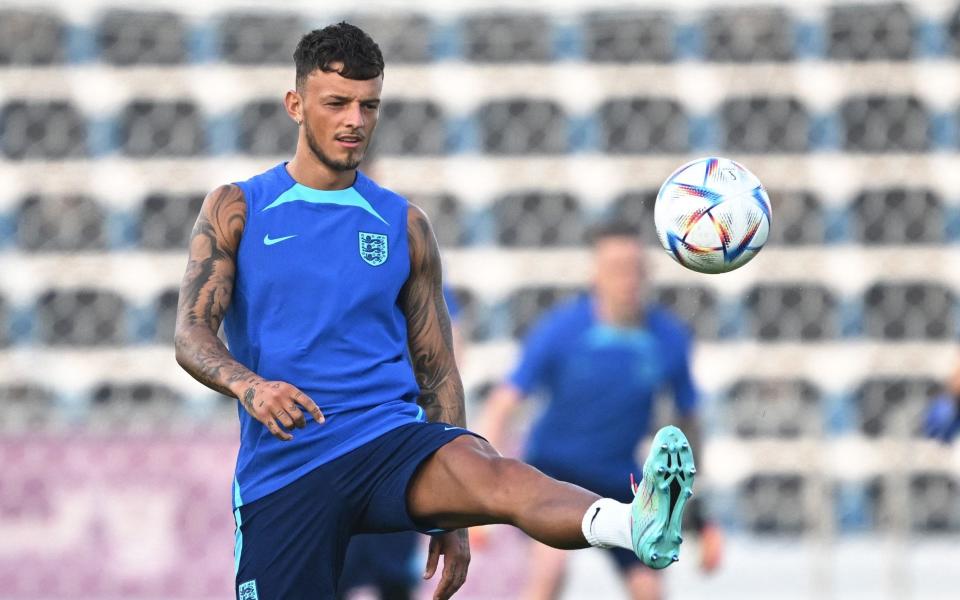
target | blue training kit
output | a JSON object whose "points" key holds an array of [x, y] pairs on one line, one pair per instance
{"points": [[315, 304]]}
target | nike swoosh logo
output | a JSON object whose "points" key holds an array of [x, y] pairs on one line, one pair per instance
{"points": [[269, 242], [449, 428]]}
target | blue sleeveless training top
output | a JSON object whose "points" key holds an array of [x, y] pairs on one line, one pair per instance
{"points": [[315, 304]]}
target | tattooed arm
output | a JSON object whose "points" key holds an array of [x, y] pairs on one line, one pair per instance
{"points": [[205, 294], [428, 326]]}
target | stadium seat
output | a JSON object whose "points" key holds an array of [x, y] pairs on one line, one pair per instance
{"points": [[30, 37], [953, 31], [695, 305], [764, 124], [60, 223], [523, 127], [892, 406], [258, 39], [774, 504], [141, 393], [403, 38], [800, 218], [635, 208], [411, 127], [140, 405], [150, 128], [917, 310], [869, 32], [774, 408], [127, 37], [26, 406], [165, 312], [792, 312], [898, 216], [5, 333], [643, 126], [525, 305], [265, 129], [42, 129], [628, 36], [473, 318], [509, 37], [166, 220], [931, 504], [885, 124], [81, 317], [752, 34], [535, 218], [445, 215]]}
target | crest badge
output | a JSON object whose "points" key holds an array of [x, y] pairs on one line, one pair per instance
{"points": [[373, 248]]}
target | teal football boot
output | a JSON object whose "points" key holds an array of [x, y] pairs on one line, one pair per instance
{"points": [[658, 501]]}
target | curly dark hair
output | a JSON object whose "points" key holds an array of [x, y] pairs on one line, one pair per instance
{"points": [[341, 43]]}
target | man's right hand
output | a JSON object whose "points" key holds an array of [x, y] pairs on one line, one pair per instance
{"points": [[273, 401]]}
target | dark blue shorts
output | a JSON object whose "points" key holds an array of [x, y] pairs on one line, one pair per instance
{"points": [[618, 490], [390, 562], [292, 542]]}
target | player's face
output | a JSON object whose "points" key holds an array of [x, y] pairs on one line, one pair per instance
{"points": [[620, 273], [339, 116]]}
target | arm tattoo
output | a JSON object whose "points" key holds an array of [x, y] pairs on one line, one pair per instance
{"points": [[429, 332], [206, 291]]}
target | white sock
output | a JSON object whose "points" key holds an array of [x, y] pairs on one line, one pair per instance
{"points": [[606, 524]]}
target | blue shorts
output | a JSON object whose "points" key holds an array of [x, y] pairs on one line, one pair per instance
{"points": [[391, 562], [618, 490], [291, 543]]}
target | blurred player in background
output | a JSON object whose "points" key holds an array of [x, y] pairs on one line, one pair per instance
{"points": [[942, 420], [600, 359], [388, 561], [329, 290]]}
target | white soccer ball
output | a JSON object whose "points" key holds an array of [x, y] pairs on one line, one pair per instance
{"points": [[712, 215]]}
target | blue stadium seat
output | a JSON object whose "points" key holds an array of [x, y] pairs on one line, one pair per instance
{"points": [[914, 310], [892, 406], [628, 36], [411, 127], [527, 304], [751, 34], [536, 219], [81, 317], [153, 128], [166, 220], [58, 223], [259, 38], [523, 127], [885, 124], [774, 408], [899, 216], [29, 37], [265, 129], [129, 37], [507, 37], [870, 32], [42, 129], [643, 126], [765, 124], [792, 312]]}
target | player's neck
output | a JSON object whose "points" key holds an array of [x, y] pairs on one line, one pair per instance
{"points": [[312, 173], [617, 315]]}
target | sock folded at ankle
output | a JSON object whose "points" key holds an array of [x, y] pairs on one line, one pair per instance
{"points": [[606, 524]]}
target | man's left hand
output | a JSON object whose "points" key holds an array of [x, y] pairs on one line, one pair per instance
{"points": [[711, 547], [455, 548]]}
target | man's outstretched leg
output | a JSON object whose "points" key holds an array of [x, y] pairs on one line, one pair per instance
{"points": [[467, 483]]}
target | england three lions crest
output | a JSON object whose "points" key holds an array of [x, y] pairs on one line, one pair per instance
{"points": [[373, 248]]}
